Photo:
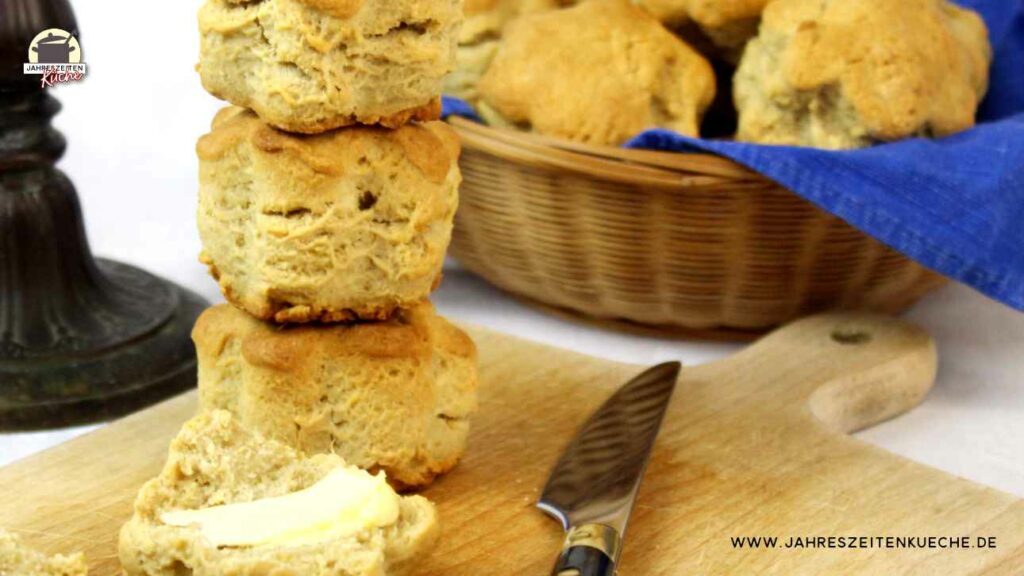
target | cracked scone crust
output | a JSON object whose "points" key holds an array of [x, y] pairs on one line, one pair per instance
{"points": [[17, 559], [310, 66], [393, 395], [213, 461], [849, 73], [346, 225], [600, 72]]}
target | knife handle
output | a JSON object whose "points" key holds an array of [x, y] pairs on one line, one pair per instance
{"points": [[590, 550]]}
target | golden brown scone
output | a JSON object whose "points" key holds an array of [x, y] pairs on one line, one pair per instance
{"points": [[16, 559], [349, 224], [487, 18], [850, 73], [729, 24], [599, 72], [393, 395], [479, 39], [313, 65], [215, 461], [472, 61]]}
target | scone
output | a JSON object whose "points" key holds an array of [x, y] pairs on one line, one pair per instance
{"points": [[472, 61], [479, 39], [229, 501], [600, 72], [395, 396], [487, 18], [351, 224], [16, 559], [729, 24], [850, 73], [313, 65]]}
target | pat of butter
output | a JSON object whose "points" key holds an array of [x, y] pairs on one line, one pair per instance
{"points": [[344, 502]]}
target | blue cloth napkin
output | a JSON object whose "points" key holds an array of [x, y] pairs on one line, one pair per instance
{"points": [[955, 205]]}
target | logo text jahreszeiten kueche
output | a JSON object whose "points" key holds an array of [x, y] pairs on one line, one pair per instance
{"points": [[56, 56]]}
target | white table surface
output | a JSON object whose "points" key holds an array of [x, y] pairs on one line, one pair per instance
{"points": [[132, 127]]}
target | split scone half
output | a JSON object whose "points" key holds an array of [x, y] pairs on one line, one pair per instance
{"points": [[313, 65], [394, 396], [599, 72], [351, 224], [230, 501], [17, 559], [842, 74]]}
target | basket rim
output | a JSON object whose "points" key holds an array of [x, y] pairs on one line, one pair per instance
{"points": [[627, 166]]}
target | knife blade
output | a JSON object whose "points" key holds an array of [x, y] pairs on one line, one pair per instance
{"points": [[592, 488]]}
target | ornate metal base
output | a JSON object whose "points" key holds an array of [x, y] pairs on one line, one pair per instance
{"points": [[81, 339], [113, 378]]}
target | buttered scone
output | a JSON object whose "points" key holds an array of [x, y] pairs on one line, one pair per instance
{"points": [[727, 23], [229, 501], [351, 224], [313, 65], [16, 559], [851, 73], [600, 72], [395, 395]]}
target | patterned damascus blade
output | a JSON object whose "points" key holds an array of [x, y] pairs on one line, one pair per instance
{"points": [[598, 475]]}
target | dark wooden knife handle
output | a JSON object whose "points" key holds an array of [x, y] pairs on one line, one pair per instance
{"points": [[584, 561]]}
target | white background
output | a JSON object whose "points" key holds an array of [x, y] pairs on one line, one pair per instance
{"points": [[132, 127]]}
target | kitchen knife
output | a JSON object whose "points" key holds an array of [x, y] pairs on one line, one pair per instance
{"points": [[592, 489]]}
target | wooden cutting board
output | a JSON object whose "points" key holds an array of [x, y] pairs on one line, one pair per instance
{"points": [[754, 445]]}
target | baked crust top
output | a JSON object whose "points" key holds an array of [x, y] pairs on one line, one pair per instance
{"points": [[432, 147], [599, 72], [414, 333], [709, 13], [904, 66]]}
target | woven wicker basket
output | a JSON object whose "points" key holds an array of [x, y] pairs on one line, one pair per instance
{"points": [[674, 241]]}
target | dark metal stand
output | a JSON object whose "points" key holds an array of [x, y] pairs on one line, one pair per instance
{"points": [[81, 340]]}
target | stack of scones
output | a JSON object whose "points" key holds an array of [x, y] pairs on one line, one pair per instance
{"points": [[326, 202]]}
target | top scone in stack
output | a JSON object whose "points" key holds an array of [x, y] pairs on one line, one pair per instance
{"points": [[327, 196]]}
